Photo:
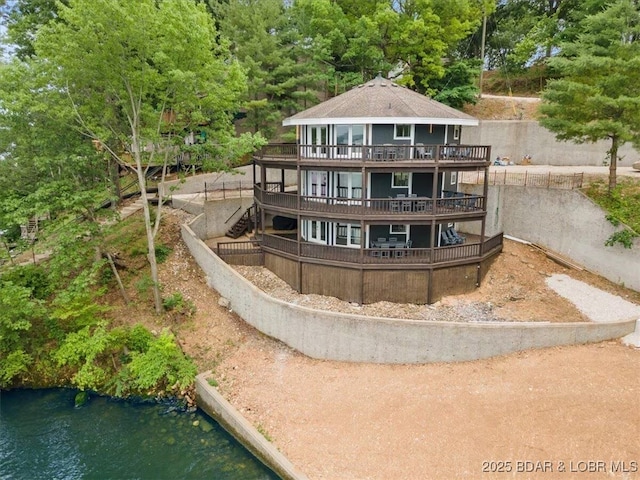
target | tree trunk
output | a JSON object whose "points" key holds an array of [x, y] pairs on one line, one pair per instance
{"points": [[123, 292], [613, 163], [151, 254]]}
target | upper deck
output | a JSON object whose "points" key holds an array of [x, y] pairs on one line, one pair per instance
{"points": [[382, 156]]}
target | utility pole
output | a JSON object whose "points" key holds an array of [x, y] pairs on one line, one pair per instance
{"points": [[484, 34]]}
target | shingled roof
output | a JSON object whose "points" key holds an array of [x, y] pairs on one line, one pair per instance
{"points": [[380, 101]]}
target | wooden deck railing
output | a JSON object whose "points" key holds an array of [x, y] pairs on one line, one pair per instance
{"points": [[377, 153], [460, 203], [369, 256], [238, 248], [493, 242]]}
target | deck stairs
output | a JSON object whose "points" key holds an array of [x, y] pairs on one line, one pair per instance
{"points": [[30, 230], [243, 225]]}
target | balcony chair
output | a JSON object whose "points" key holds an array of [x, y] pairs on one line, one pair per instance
{"points": [[457, 238], [445, 241], [385, 252]]}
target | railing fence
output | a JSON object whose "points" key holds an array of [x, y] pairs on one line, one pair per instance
{"points": [[526, 179]]}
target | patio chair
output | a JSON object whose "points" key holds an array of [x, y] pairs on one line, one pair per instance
{"points": [[421, 205], [445, 241], [385, 252], [455, 235]]}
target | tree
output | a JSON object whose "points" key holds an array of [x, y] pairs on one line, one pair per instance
{"points": [[140, 75], [25, 17], [598, 94]]}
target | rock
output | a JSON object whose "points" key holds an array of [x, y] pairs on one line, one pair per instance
{"points": [[81, 399], [206, 426], [636, 166], [224, 302]]}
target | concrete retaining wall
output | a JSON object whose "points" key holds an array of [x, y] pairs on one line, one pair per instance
{"points": [[565, 221], [223, 412], [356, 338], [218, 212], [516, 138]]}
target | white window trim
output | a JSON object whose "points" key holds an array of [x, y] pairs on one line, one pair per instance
{"points": [[392, 232], [350, 227], [456, 132], [395, 131], [393, 176]]}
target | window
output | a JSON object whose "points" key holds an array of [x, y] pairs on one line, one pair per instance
{"points": [[348, 234], [454, 178], [398, 229], [347, 137], [317, 231], [456, 132], [400, 180], [402, 131], [348, 185]]}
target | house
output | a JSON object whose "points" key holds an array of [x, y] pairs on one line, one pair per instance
{"points": [[377, 213]]}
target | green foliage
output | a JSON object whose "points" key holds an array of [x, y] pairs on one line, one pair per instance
{"points": [[623, 207], [598, 94], [85, 350], [18, 309], [623, 237], [178, 304], [163, 252], [144, 285], [32, 277], [151, 365], [162, 364], [15, 363], [139, 338], [457, 87]]}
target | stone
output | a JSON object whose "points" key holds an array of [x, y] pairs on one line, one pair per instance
{"points": [[81, 399], [224, 302], [636, 166]]}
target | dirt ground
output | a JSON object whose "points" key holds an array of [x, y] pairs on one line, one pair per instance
{"points": [[564, 406]]}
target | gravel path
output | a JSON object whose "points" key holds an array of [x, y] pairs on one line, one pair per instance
{"points": [[596, 304]]}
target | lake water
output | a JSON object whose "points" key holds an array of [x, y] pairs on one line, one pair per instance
{"points": [[42, 436]]}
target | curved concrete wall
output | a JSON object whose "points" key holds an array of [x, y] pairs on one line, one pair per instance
{"points": [[356, 338], [223, 412], [565, 221]]}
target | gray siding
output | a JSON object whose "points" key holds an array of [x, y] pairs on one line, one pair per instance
{"points": [[420, 235], [422, 184], [429, 134]]}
